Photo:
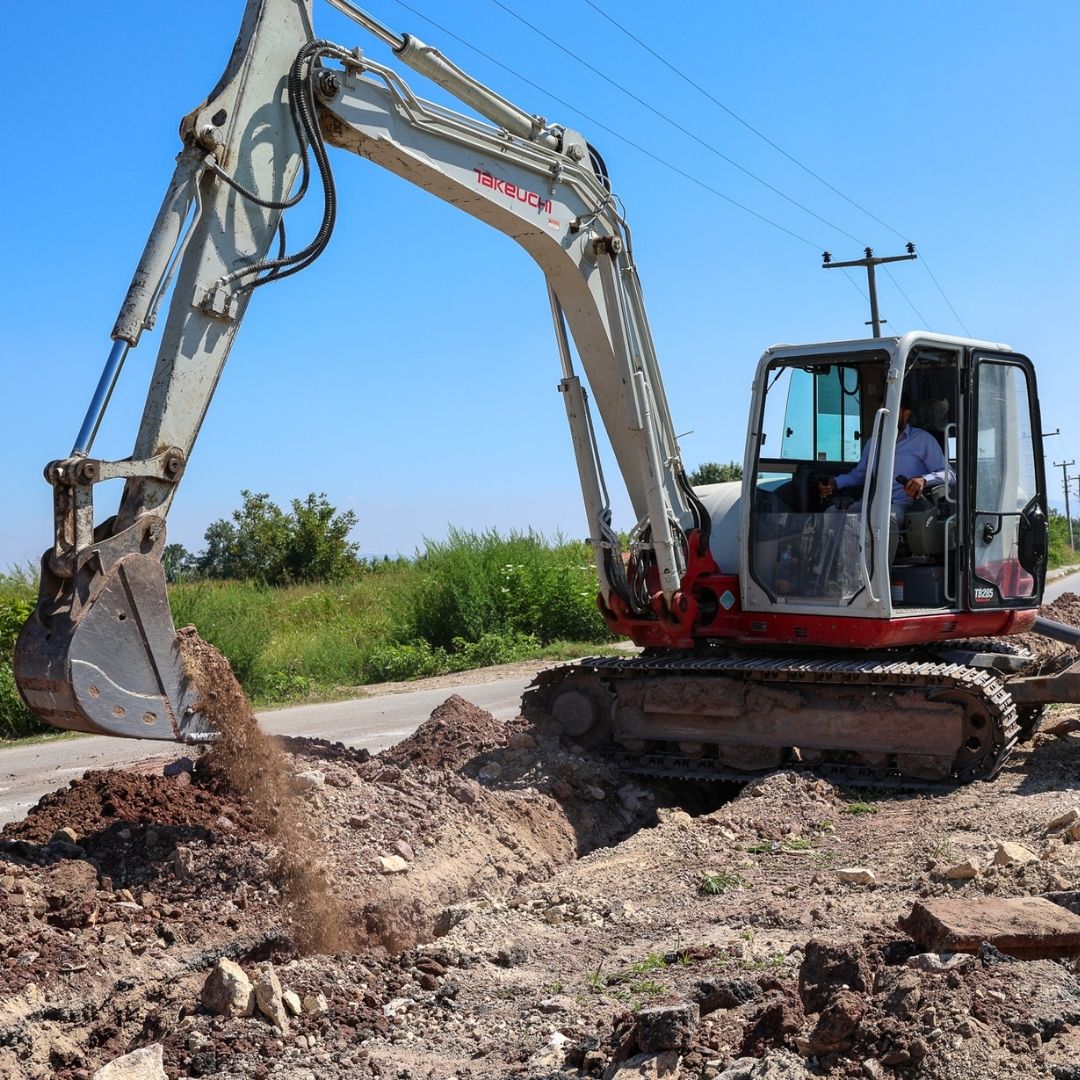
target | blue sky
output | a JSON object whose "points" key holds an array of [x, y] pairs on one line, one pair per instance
{"points": [[410, 373]]}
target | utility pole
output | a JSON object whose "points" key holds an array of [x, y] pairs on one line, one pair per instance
{"points": [[870, 262], [1065, 478]]}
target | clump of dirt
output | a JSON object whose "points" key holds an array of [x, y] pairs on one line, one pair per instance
{"points": [[455, 732], [254, 766]]}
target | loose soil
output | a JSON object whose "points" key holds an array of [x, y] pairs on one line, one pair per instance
{"points": [[486, 901]]}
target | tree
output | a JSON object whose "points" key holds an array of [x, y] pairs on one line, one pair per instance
{"points": [[265, 544], [712, 472], [178, 562]]}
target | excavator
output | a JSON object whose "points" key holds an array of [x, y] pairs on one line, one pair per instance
{"points": [[776, 628]]}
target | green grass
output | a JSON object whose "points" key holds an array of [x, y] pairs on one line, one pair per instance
{"points": [[859, 807], [473, 600], [774, 847], [718, 883]]}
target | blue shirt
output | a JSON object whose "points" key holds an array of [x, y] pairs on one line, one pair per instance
{"points": [[917, 454]]}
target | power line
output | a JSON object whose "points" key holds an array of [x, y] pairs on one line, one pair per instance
{"points": [[745, 123], [967, 332], [674, 123], [779, 149], [658, 158], [604, 127]]}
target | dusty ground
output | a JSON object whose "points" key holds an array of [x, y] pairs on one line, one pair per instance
{"points": [[503, 905]]}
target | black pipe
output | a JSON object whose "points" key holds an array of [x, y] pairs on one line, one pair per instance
{"points": [[1070, 635]]}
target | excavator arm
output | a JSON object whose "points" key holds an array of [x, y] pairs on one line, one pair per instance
{"points": [[99, 653]]}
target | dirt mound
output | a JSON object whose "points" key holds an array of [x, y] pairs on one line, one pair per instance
{"points": [[455, 732], [103, 800]]}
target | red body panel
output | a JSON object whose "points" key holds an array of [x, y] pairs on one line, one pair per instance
{"points": [[699, 618]]}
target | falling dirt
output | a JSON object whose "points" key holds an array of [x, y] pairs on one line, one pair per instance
{"points": [[506, 905], [252, 766]]}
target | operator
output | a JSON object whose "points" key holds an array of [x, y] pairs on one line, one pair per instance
{"points": [[919, 459]]}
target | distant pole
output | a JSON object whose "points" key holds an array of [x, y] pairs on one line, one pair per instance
{"points": [[1063, 465], [870, 262]]}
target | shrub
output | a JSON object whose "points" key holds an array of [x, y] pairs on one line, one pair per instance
{"points": [[477, 584], [16, 604]]}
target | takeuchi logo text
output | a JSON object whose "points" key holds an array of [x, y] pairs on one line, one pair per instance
{"points": [[512, 191]]}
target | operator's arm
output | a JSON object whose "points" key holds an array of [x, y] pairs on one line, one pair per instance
{"points": [[852, 478], [926, 465]]}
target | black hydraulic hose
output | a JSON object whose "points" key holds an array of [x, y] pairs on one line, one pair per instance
{"points": [[305, 120]]}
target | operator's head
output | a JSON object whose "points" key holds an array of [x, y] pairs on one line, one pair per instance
{"points": [[905, 410]]}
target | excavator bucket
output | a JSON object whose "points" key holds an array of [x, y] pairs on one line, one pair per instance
{"points": [[100, 654]]}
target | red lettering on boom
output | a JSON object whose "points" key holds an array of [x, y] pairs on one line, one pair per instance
{"points": [[512, 191]]}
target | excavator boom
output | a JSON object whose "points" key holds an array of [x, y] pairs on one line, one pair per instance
{"points": [[99, 652]]}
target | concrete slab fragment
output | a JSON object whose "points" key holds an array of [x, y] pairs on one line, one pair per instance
{"points": [[1028, 927]]}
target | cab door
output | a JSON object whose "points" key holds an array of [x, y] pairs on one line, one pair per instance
{"points": [[1008, 531]]}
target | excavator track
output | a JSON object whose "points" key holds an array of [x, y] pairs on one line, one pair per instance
{"points": [[928, 725]]}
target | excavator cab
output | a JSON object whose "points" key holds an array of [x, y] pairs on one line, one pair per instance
{"points": [[974, 542]]}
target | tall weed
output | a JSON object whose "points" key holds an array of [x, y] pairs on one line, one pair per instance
{"points": [[17, 599]]}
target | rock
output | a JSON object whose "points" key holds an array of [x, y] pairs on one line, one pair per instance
{"points": [[268, 997], [1013, 855], [713, 994], [311, 779], [69, 890], [228, 991], [1027, 927], [146, 1063], [873, 1069], [594, 792], [629, 797], [393, 864], [558, 1003], [66, 835], [663, 1066], [1063, 821], [836, 1027], [941, 962], [522, 740], [827, 968], [777, 1022], [180, 765], [404, 849], [857, 875], [621, 909], [967, 870], [315, 1004], [182, 862], [549, 1058], [739, 1069], [511, 955], [680, 819], [779, 1065], [291, 1000], [465, 792], [491, 771], [667, 1027], [897, 1056]]}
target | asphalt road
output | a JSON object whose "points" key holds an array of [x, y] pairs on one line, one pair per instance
{"points": [[28, 772]]}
